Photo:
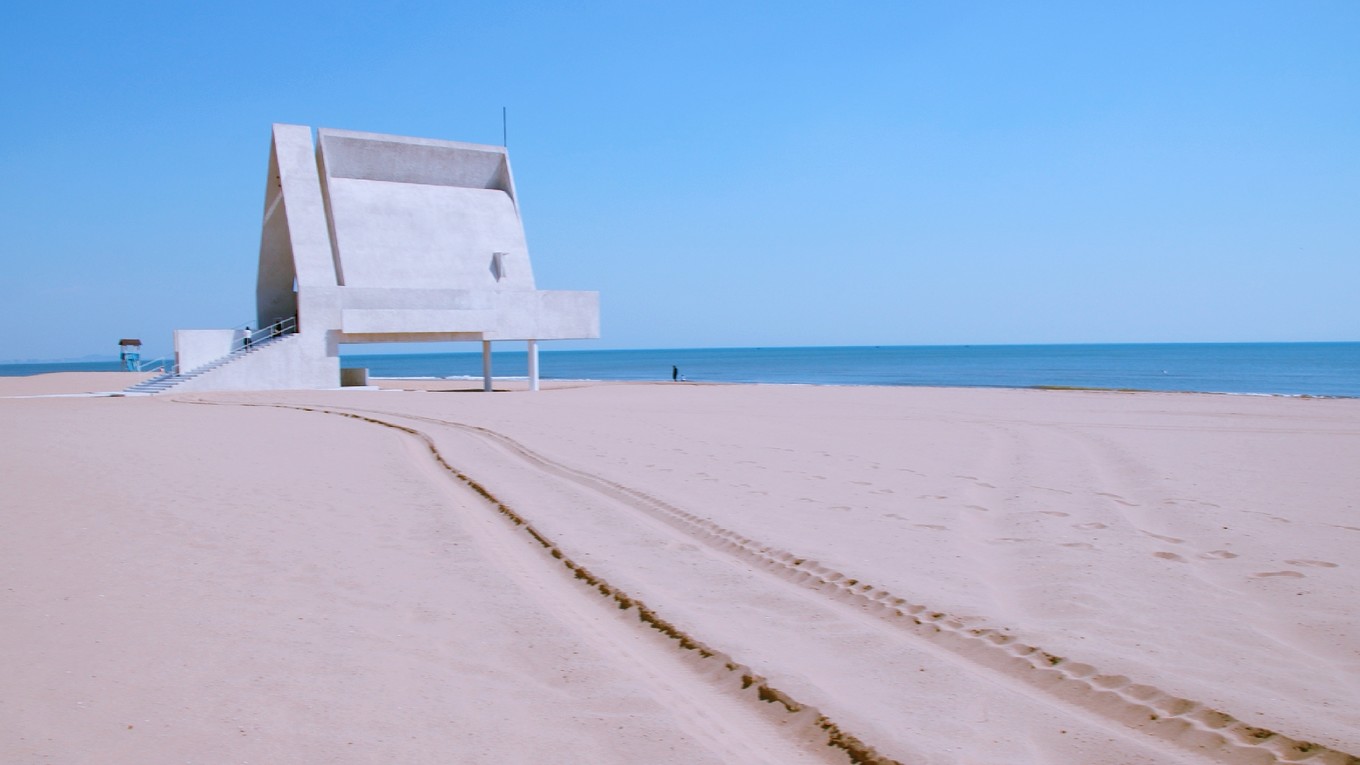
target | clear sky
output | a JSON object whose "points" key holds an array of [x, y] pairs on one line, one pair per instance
{"points": [[726, 173]]}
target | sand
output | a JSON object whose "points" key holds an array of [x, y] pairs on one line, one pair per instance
{"points": [[676, 573]]}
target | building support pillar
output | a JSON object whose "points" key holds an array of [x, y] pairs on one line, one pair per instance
{"points": [[533, 365], [486, 366]]}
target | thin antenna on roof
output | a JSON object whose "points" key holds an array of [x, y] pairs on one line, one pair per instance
{"points": [[505, 143]]}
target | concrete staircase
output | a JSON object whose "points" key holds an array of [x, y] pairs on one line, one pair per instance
{"points": [[169, 380]]}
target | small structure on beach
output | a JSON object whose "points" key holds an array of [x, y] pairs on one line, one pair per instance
{"points": [[130, 354], [370, 238]]}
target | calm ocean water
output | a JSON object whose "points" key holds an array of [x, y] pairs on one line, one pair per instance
{"points": [[1317, 369]]}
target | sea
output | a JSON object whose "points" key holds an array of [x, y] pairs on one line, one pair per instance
{"points": [[1285, 369]]}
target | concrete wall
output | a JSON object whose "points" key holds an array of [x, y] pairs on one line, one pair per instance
{"points": [[295, 244], [422, 237], [197, 347], [373, 321], [424, 161], [546, 315], [287, 363]]}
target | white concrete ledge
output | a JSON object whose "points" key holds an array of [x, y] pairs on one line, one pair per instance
{"points": [[376, 321]]}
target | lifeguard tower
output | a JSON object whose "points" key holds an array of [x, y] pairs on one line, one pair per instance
{"points": [[130, 354], [370, 238]]}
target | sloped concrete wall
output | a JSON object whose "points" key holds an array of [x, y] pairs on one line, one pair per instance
{"points": [[427, 237], [295, 245]]}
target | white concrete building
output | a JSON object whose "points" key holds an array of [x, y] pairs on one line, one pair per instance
{"points": [[371, 238]]}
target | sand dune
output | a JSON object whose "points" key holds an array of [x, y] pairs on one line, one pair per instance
{"points": [[680, 573]]}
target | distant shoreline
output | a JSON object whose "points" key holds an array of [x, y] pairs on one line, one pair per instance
{"points": [[113, 382], [1284, 369]]}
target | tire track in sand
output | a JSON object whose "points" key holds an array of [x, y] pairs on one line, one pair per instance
{"points": [[699, 683], [1191, 726], [720, 720]]}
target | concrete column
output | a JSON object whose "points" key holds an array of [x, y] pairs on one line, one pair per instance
{"points": [[486, 365], [533, 365]]}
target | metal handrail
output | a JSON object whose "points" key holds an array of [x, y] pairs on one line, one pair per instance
{"points": [[276, 328], [164, 364]]}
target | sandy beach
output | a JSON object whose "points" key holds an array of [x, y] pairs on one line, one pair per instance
{"points": [[677, 573]]}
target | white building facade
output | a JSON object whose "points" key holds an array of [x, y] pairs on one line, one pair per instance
{"points": [[370, 238]]}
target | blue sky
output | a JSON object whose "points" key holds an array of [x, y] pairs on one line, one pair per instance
{"points": [[725, 174]]}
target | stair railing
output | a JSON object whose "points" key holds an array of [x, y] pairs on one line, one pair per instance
{"points": [[253, 337], [163, 365], [278, 328]]}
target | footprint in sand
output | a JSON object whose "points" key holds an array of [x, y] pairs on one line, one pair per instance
{"points": [[1169, 556], [861, 483], [1201, 503], [930, 526], [886, 491], [1054, 513], [1290, 574], [978, 507], [1120, 500], [1169, 540], [842, 508], [1050, 488], [1218, 555], [1089, 526], [1311, 563], [1010, 540], [1078, 545]]}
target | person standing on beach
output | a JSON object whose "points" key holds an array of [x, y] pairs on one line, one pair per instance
{"points": [[675, 373]]}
